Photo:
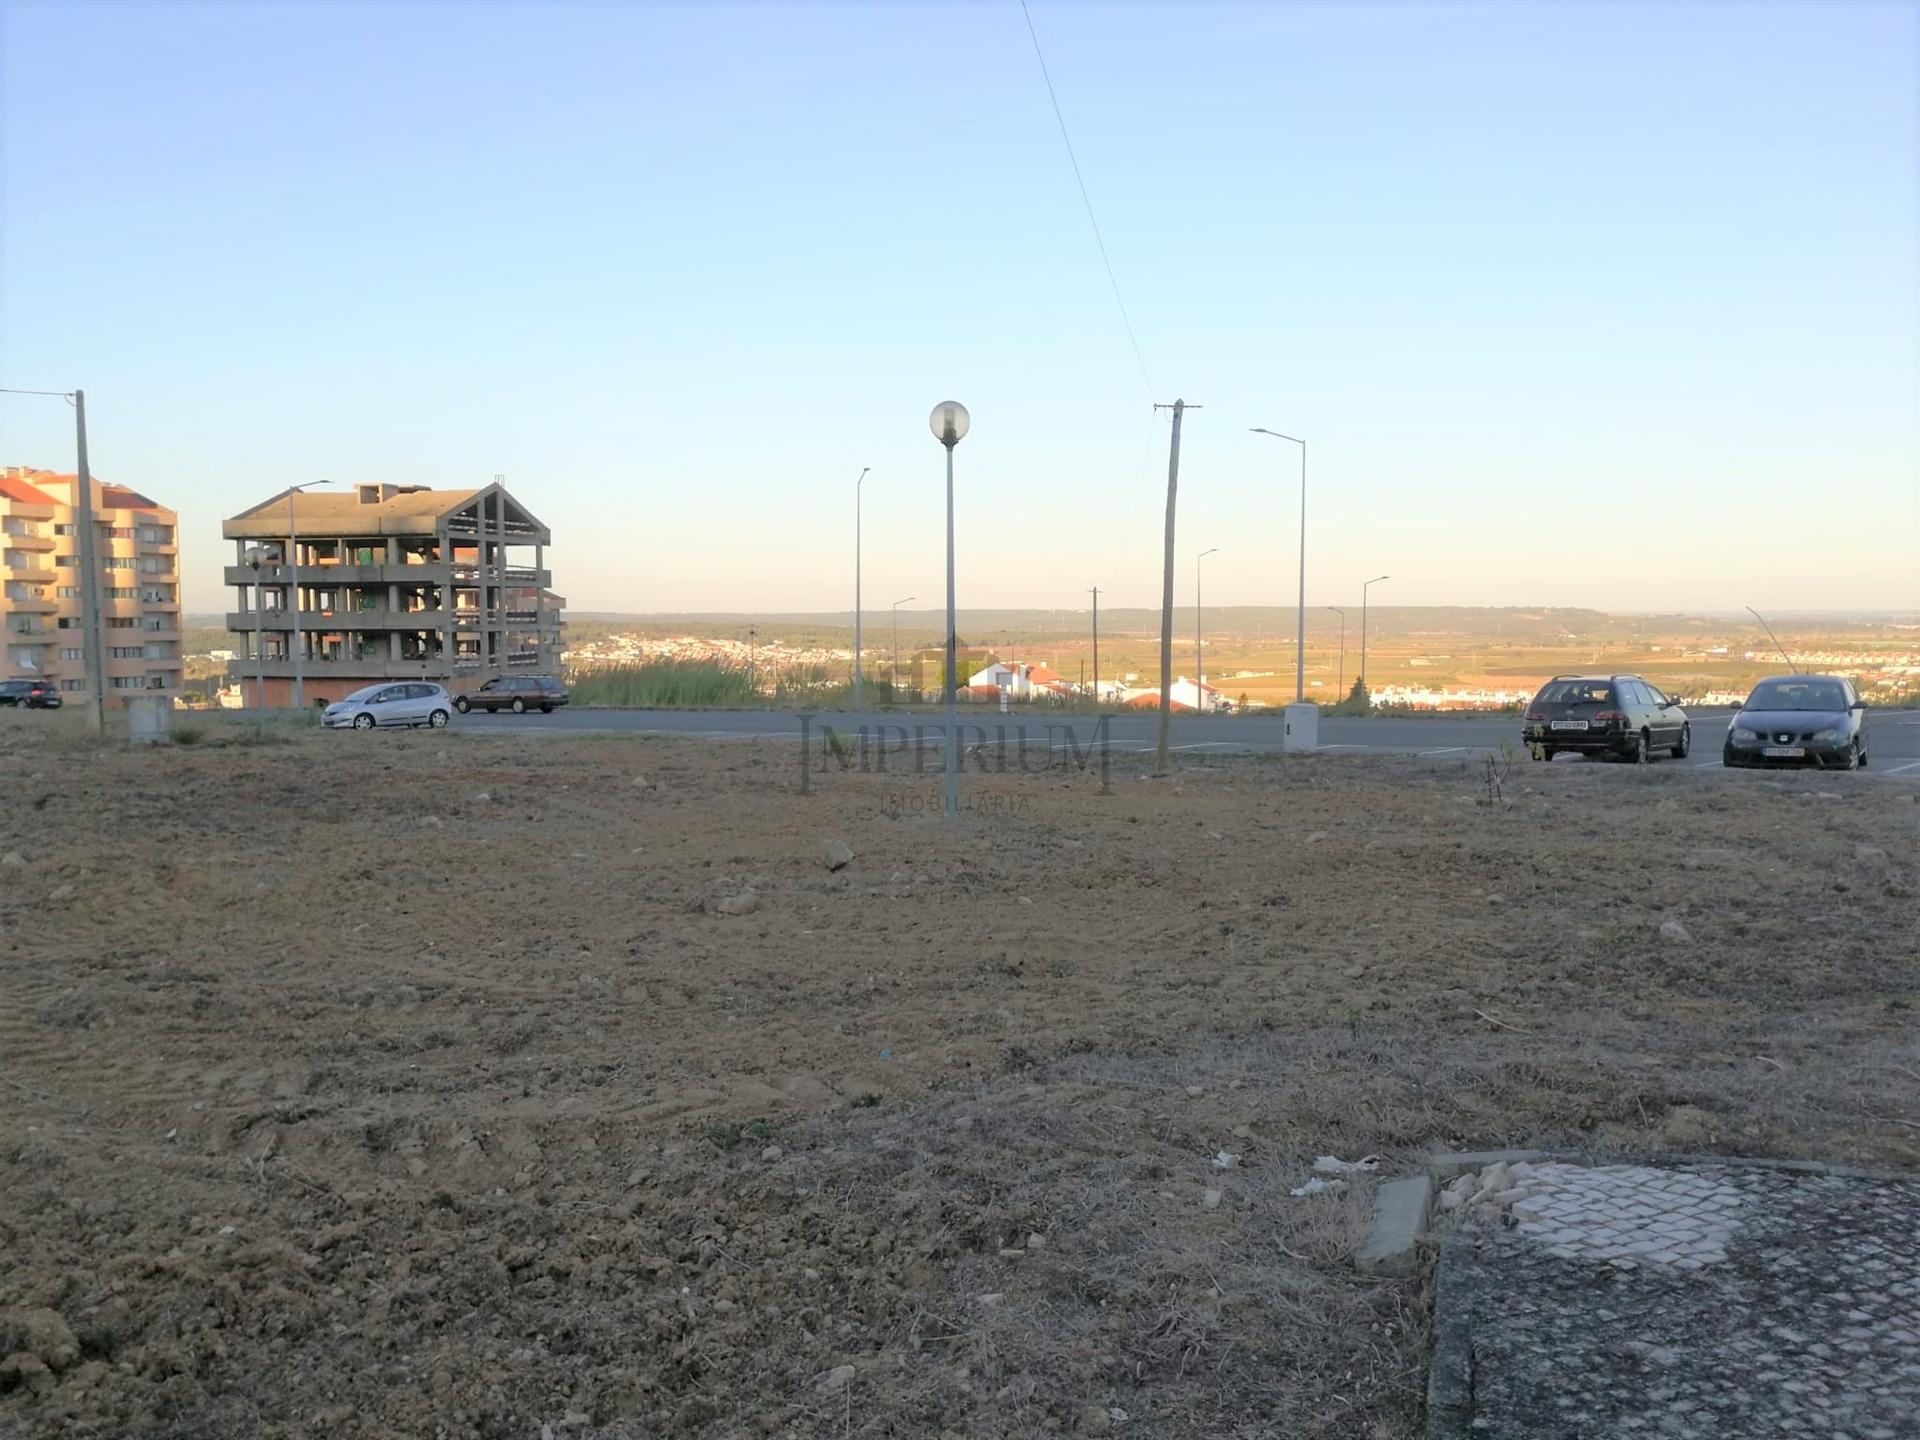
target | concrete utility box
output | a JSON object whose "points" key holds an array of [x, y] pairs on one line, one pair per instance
{"points": [[1303, 727], [149, 719]]}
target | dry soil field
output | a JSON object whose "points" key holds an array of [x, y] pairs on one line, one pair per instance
{"points": [[438, 1085]]}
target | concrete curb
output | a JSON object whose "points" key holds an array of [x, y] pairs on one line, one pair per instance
{"points": [[1450, 1372], [1400, 1209]]}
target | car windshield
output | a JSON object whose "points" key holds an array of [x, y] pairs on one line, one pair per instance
{"points": [[1797, 695], [1577, 692], [360, 695]]}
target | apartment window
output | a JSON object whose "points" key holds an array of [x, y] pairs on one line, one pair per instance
{"points": [[128, 682], [157, 595], [127, 652], [156, 534], [121, 622], [63, 529], [121, 532], [119, 562], [76, 653], [121, 592], [156, 682], [65, 562], [72, 685], [155, 564], [154, 623], [69, 592], [157, 650], [67, 622]]}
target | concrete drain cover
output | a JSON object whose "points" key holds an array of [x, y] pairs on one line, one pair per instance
{"points": [[1688, 1300]]}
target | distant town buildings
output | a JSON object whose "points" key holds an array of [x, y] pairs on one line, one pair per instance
{"points": [[137, 547], [395, 582]]}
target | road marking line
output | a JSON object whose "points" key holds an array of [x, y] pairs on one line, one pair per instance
{"points": [[1902, 769], [1444, 750], [1207, 744], [1706, 764], [1342, 746]]}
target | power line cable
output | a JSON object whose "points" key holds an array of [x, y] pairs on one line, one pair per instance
{"points": [[1087, 200]]}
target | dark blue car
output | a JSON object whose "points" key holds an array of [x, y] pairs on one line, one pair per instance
{"points": [[1816, 720]]}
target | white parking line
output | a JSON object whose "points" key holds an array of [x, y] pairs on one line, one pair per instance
{"points": [[1706, 764], [1207, 745], [1902, 769], [1444, 750]]}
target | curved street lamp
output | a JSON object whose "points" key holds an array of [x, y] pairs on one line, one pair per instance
{"points": [[895, 681], [1300, 606], [856, 585], [1199, 641], [1340, 689], [293, 590], [1366, 694], [950, 423]]}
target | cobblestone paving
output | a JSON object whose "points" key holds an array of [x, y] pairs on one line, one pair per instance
{"points": [[1699, 1300]]}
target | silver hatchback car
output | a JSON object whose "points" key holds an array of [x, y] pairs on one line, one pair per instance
{"points": [[406, 702]]}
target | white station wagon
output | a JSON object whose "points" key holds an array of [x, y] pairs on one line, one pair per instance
{"points": [[405, 702]]}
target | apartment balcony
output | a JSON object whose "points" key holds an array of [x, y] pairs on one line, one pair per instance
{"points": [[32, 572], [33, 605], [513, 529], [472, 576], [37, 543], [379, 668], [330, 575], [337, 622]]}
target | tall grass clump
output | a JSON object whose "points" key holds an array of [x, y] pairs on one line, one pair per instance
{"points": [[661, 684]]}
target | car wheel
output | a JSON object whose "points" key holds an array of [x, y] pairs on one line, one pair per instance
{"points": [[1727, 759], [1852, 762], [463, 704], [437, 720], [1643, 751], [1685, 747], [519, 707], [546, 709], [363, 721]]}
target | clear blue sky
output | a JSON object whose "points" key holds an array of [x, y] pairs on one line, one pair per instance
{"points": [[1587, 304]]}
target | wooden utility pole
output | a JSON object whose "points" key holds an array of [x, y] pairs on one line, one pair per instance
{"points": [[1179, 408], [1096, 645]]}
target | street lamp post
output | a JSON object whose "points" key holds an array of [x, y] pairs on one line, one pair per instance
{"points": [[1341, 688], [896, 642], [1199, 640], [856, 585], [1366, 694], [293, 591], [256, 557], [1300, 607], [949, 423]]}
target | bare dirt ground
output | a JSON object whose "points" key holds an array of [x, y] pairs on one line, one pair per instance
{"points": [[440, 1085]]}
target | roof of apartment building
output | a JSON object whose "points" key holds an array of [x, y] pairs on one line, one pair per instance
{"points": [[14, 488], [368, 509], [111, 497]]}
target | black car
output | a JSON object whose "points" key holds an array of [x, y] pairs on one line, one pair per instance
{"points": [[518, 693], [1609, 715], [1817, 720], [30, 694]]}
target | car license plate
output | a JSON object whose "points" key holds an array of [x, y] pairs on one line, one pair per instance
{"points": [[1786, 752], [1569, 724]]}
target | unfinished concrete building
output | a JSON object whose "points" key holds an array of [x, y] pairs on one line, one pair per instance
{"points": [[393, 582]]}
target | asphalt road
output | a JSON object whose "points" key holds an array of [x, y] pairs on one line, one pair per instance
{"points": [[1894, 735]]}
